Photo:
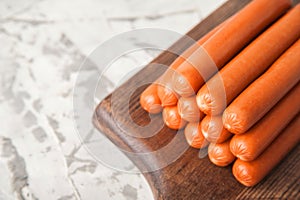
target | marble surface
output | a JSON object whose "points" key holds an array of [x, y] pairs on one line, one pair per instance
{"points": [[44, 42]]}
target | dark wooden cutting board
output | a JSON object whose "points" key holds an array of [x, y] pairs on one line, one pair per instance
{"points": [[188, 177]]}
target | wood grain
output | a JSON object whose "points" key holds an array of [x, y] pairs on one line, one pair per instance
{"points": [[189, 177]]}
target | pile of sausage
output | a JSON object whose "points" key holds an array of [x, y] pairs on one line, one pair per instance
{"points": [[245, 107]]}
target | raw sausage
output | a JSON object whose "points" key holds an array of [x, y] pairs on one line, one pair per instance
{"points": [[172, 118], [251, 144], [223, 45], [220, 154], [165, 92], [150, 101], [253, 103], [250, 173], [194, 136], [249, 64], [188, 109], [213, 130]]}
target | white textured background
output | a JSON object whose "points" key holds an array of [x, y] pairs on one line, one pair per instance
{"points": [[43, 43]]}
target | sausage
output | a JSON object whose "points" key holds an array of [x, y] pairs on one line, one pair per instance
{"points": [[252, 104], [194, 136], [188, 109], [172, 118], [250, 145], [150, 101], [220, 154], [249, 64], [251, 173], [223, 45], [213, 130], [165, 92]]}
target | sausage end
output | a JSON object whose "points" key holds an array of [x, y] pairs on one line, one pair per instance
{"points": [[182, 86], [166, 96], [241, 149], [243, 172], [220, 155], [232, 123], [205, 103]]}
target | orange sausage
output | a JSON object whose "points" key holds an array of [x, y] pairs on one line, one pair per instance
{"points": [[249, 64], [172, 118], [250, 173], [159, 94], [194, 136], [165, 92], [188, 109], [252, 104], [149, 101], [250, 145], [220, 154], [223, 45], [213, 130]]}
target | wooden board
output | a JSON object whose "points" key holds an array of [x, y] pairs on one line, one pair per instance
{"points": [[189, 177]]}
